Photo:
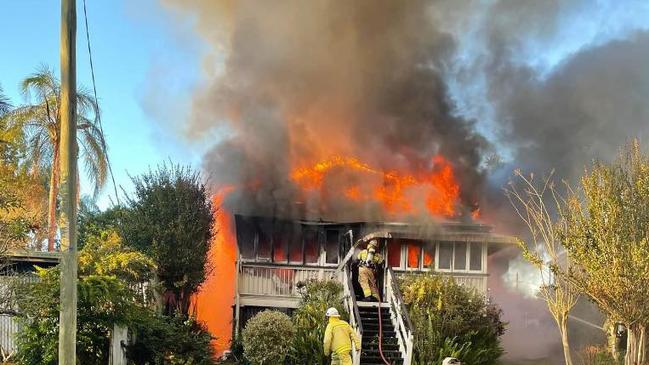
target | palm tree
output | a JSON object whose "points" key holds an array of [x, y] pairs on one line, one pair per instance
{"points": [[41, 122]]}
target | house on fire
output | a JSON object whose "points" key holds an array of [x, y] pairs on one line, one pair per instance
{"points": [[274, 256]]}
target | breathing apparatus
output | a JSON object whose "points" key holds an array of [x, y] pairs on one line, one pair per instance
{"points": [[371, 250]]}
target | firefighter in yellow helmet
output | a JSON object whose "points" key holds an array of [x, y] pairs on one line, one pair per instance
{"points": [[368, 263], [338, 339]]}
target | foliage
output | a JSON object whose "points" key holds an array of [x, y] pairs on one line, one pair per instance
{"points": [[310, 321], [92, 221], [163, 340], [595, 355], [267, 338], [170, 219], [540, 206], [108, 289], [40, 123], [22, 207], [608, 236], [449, 319]]}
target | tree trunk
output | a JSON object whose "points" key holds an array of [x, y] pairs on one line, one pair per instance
{"points": [[642, 345], [635, 343], [563, 328], [54, 192]]}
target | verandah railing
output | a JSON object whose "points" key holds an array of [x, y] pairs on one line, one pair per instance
{"points": [[279, 280]]}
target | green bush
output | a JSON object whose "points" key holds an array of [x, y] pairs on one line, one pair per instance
{"points": [[310, 321], [596, 355], [107, 272], [162, 340], [267, 338], [451, 320]]}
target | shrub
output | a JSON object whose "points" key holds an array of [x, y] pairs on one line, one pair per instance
{"points": [[596, 355], [163, 340], [107, 274], [451, 320], [267, 338], [310, 321]]}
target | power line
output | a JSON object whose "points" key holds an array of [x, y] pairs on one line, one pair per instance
{"points": [[94, 89]]}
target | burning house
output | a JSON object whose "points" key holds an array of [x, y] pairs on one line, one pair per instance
{"points": [[261, 260]]}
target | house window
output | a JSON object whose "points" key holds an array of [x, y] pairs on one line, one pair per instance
{"points": [[263, 244], [311, 247], [476, 256], [246, 236], [331, 247], [459, 258], [280, 245], [445, 259], [429, 254], [414, 253], [295, 252], [394, 254]]}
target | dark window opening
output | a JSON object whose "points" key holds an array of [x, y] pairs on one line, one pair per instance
{"points": [[394, 254], [445, 255], [311, 247], [476, 256], [295, 252], [246, 237], [280, 244], [264, 247], [331, 247]]}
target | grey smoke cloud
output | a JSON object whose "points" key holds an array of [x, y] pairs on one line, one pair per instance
{"points": [[302, 81]]}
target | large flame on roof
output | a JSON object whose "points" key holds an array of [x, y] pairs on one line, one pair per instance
{"points": [[433, 189]]}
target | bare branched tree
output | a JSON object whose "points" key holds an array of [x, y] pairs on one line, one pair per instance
{"points": [[539, 205]]}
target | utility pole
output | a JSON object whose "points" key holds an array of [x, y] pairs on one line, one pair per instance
{"points": [[68, 153]]}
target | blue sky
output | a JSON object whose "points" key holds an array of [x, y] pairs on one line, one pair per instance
{"points": [[145, 68]]}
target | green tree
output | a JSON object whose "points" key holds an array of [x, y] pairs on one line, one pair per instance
{"points": [[40, 121], [451, 320], [170, 219], [607, 235]]}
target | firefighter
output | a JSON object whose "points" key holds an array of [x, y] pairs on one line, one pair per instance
{"points": [[368, 263], [338, 339]]}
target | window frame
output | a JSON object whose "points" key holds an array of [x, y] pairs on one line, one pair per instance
{"points": [[467, 267]]}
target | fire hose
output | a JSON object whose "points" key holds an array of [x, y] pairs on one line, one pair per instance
{"points": [[386, 362]]}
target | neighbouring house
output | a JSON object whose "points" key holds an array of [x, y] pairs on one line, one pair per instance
{"points": [[18, 265], [274, 256]]}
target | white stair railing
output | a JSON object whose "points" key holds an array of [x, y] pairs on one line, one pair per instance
{"points": [[402, 325], [354, 316]]}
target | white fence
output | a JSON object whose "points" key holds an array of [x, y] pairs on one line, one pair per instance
{"points": [[8, 328]]}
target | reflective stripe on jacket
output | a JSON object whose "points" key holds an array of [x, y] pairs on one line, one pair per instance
{"points": [[339, 336]]}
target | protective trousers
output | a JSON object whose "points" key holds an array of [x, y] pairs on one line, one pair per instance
{"points": [[341, 359], [367, 279]]}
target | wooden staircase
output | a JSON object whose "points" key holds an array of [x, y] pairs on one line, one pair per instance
{"points": [[370, 355]]}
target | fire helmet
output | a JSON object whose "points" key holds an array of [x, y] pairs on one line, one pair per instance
{"points": [[332, 312]]}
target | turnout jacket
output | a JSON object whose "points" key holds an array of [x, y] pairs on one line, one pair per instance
{"points": [[339, 336]]}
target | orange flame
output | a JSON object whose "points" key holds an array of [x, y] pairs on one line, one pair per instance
{"points": [[396, 192], [214, 301]]}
